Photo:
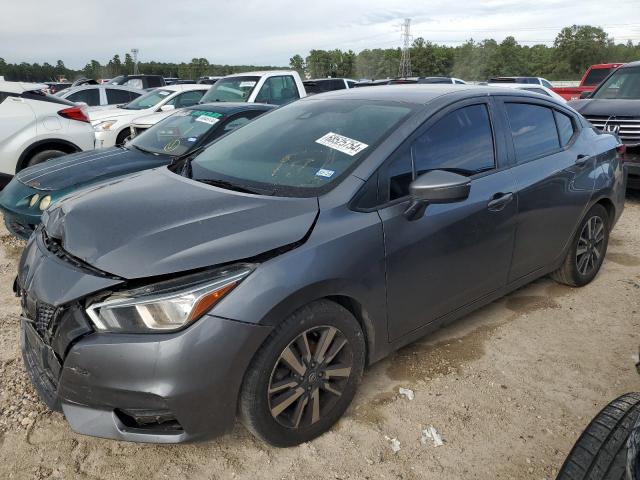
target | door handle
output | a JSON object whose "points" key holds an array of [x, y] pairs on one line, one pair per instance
{"points": [[500, 200], [582, 159]]}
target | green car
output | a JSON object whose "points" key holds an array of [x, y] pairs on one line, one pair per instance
{"points": [[33, 189]]}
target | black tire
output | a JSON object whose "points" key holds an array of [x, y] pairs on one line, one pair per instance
{"points": [[570, 272], [44, 155], [256, 396], [123, 136], [601, 451]]}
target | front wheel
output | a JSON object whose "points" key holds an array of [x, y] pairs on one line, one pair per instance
{"points": [[305, 375], [123, 137], [587, 250]]}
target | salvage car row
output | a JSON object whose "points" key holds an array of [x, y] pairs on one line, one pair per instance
{"points": [[241, 259]]}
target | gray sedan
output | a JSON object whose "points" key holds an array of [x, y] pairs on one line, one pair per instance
{"points": [[263, 275]]}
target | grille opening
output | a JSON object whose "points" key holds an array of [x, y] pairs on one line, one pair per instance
{"points": [[152, 420]]}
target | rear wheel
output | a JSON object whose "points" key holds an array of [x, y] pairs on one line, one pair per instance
{"points": [[601, 452], [587, 251], [305, 375], [44, 155]]}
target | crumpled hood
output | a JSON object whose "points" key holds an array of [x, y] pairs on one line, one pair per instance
{"points": [[604, 107], [156, 223], [88, 167]]}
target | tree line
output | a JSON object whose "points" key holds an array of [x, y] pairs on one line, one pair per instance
{"points": [[198, 67], [574, 49]]}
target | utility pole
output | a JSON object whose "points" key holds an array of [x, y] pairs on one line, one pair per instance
{"points": [[405, 62], [134, 53]]}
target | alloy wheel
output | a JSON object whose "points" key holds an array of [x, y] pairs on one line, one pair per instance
{"points": [[309, 377], [590, 245]]}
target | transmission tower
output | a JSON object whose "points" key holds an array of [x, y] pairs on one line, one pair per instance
{"points": [[134, 53], [405, 62]]}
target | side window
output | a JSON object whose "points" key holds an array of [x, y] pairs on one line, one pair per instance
{"points": [[89, 96], [565, 127], [187, 99], [533, 129], [278, 91], [545, 83], [461, 141], [135, 83], [351, 83], [115, 96]]}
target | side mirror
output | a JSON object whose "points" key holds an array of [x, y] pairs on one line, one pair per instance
{"points": [[436, 186], [166, 108], [585, 95]]}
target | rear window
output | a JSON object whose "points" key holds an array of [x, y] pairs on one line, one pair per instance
{"points": [[533, 129], [595, 76]]}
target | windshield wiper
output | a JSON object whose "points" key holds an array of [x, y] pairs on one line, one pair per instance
{"points": [[234, 186]]}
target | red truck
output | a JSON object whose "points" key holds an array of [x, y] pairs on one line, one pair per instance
{"points": [[590, 80]]}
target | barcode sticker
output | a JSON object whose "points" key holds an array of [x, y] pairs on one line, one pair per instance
{"points": [[343, 144]]}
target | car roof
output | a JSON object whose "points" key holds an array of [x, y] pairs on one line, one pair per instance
{"points": [[260, 73], [631, 64], [103, 85], [230, 108], [419, 94], [21, 87], [184, 86]]}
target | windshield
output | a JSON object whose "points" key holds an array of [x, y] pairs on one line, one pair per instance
{"points": [[301, 149], [231, 89], [623, 84], [595, 76], [179, 133], [148, 100]]}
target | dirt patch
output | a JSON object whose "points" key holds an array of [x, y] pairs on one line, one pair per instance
{"points": [[624, 259], [13, 246]]}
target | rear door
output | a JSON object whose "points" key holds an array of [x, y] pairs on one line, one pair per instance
{"points": [[458, 252], [553, 177]]}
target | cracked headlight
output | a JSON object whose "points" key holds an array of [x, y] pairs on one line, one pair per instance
{"points": [[166, 306]]}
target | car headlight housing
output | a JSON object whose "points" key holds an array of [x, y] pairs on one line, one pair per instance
{"points": [[104, 126], [166, 306], [45, 203]]}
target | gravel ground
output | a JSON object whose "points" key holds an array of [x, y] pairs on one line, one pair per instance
{"points": [[509, 388]]}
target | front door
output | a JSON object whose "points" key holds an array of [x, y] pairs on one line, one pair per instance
{"points": [[459, 252]]}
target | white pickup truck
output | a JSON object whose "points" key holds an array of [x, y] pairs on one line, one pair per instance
{"points": [[276, 87]]}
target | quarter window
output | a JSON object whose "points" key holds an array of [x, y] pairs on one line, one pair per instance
{"points": [[565, 127], [533, 129]]}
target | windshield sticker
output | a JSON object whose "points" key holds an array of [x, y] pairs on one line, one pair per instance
{"points": [[247, 84], [197, 113], [207, 119], [325, 173], [345, 145], [191, 139]]}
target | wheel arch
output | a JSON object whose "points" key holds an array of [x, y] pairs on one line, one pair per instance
{"points": [[42, 145]]}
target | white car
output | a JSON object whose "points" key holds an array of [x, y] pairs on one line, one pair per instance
{"points": [[530, 87], [101, 95], [275, 87], [35, 127], [112, 126]]}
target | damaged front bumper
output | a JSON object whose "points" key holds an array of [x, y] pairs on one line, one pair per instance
{"points": [[163, 388]]}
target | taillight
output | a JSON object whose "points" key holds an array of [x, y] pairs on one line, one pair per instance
{"points": [[75, 113]]}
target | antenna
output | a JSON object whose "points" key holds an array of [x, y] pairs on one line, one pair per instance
{"points": [[134, 53], [405, 62]]}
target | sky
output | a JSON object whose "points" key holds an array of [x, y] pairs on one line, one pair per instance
{"points": [[270, 32]]}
